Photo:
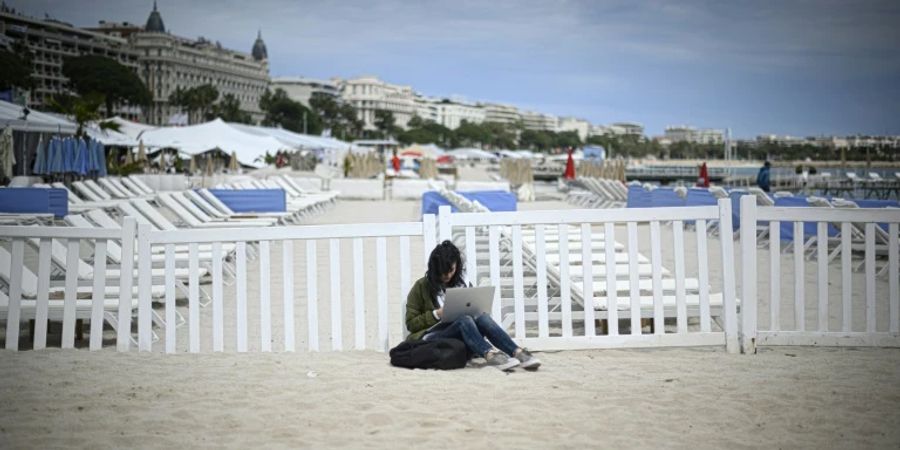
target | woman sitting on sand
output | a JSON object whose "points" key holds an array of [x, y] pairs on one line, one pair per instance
{"points": [[425, 306]]}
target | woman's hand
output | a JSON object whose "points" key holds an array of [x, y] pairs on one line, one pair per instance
{"points": [[439, 312]]}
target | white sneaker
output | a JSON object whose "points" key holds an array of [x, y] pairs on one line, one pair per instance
{"points": [[527, 360], [501, 361]]}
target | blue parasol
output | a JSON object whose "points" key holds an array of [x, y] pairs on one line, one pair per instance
{"points": [[100, 158], [80, 161], [40, 159], [55, 157]]}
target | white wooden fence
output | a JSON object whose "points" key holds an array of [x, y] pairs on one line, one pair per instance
{"points": [[830, 319], [545, 303], [594, 309]]}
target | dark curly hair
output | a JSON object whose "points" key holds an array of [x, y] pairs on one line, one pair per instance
{"points": [[441, 260]]}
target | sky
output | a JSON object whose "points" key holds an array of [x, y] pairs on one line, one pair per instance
{"points": [[801, 68]]}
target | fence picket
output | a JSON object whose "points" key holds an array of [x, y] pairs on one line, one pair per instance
{"points": [[894, 278], [334, 258], [587, 274], [126, 281], [99, 295], [494, 252], [71, 295], [680, 304], [312, 309], [359, 301], [381, 271], [265, 300], [518, 282], [775, 274], [170, 298], [634, 287], [43, 295], [612, 299], [656, 263], [241, 293], [145, 324], [543, 313], [218, 302], [870, 277], [749, 299], [287, 270], [16, 264], [471, 258], [703, 275], [822, 256], [799, 277], [565, 290], [847, 279]]}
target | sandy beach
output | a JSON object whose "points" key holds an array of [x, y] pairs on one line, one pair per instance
{"points": [[788, 397], [677, 398]]}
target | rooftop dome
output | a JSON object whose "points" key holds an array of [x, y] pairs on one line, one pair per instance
{"points": [[155, 22], [259, 48]]}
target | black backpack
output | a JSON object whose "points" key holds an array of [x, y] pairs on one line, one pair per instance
{"points": [[444, 354]]}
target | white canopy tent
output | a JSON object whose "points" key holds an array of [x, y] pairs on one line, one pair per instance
{"points": [[129, 128], [472, 154], [13, 115], [216, 134], [110, 137]]}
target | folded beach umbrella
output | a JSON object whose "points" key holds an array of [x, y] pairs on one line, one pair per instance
{"points": [[193, 169], [80, 161], [233, 165], [100, 158], [129, 159], [142, 154], [54, 156], [40, 158]]}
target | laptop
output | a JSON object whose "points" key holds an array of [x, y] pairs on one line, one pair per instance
{"points": [[472, 301]]}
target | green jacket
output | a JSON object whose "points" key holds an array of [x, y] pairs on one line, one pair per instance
{"points": [[419, 307]]}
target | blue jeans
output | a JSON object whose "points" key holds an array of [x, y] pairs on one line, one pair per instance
{"points": [[474, 331]]}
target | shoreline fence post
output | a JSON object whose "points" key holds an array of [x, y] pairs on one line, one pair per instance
{"points": [[748, 275]]}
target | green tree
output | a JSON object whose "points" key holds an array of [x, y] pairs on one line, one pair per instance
{"points": [[229, 110], [282, 111], [99, 75], [16, 69], [82, 110], [336, 116], [386, 124], [567, 139], [198, 101]]}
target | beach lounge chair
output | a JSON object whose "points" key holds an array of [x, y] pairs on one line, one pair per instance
{"points": [[140, 183], [88, 193]]}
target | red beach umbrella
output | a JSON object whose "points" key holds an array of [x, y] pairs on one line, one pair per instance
{"points": [[569, 174], [703, 180]]}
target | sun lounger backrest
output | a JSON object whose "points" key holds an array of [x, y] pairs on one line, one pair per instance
{"points": [[99, 190], [111, 188], [58, 253], [86, 192], [293, 183], [117, 182], [113, 250], [187, 204], [134, 186], [157, 218], [204, 204], [72, 197], [166, 199], [281, 184], [29, 279], [131, 210], [142, 185], [213, 200], [664, 197]]}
